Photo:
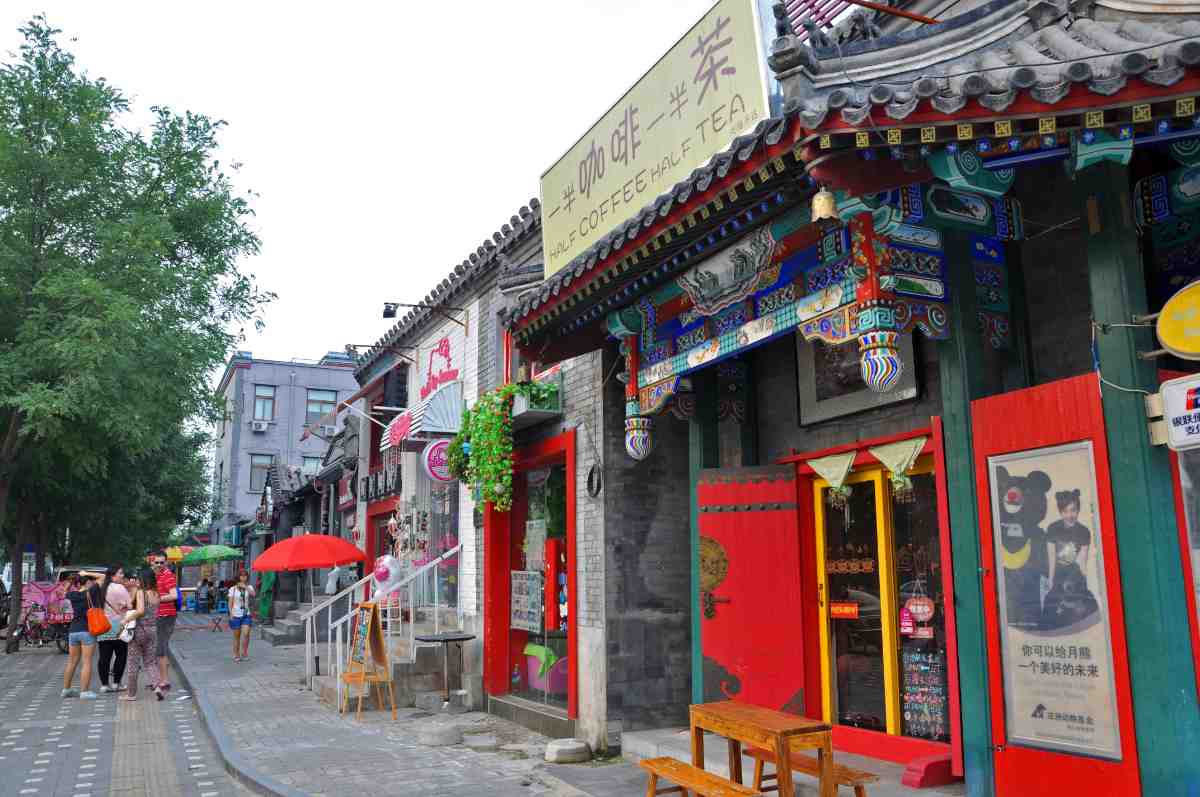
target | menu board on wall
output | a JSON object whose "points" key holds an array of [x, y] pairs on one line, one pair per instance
{"points": [[526, 613], [1060, 687], [924, 697]]}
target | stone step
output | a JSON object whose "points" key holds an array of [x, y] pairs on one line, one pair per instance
{"points": [[436, 702], [275, 637]]}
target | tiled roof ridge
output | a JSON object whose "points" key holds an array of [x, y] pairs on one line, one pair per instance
{"points": [[990, 54], [526, 221], [766, 133]]}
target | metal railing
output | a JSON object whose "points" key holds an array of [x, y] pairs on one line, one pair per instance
{"points": [[403, 607]]}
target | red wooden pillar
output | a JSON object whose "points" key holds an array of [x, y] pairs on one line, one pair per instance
{"points": [[496, 585]]}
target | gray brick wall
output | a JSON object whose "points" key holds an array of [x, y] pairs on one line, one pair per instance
{"points": [[778, 403], [648, 571], [1056, 278]]}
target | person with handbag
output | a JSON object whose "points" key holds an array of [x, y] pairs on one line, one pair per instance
{"points": [[87, 620], [113, 649], [139, 629]]}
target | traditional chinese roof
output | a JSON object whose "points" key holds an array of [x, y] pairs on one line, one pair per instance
{"points": [[984, 62], [628, 238], [527, 222], [516, 278]]}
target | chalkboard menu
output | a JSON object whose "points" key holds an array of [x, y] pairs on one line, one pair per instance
{"points": [[924, 694], [526, 614]]}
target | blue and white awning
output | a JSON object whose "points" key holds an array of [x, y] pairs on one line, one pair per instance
{"points": [[441, 413]]}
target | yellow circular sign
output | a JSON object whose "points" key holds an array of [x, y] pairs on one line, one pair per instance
{"points": [[1178, 326]]}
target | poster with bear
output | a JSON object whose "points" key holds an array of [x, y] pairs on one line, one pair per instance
{"points": [[1059, 687]]}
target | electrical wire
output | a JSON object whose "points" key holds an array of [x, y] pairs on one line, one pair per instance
{"points": [[1096, 361]]}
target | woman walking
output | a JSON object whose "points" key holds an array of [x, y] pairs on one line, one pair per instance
{"points": [[83, 595], [142, 618], [113, 650], [240, 619]]}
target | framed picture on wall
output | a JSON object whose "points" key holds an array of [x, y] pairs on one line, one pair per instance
{"points": [[831, 383]]}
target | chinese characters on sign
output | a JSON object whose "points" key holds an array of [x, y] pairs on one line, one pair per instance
{"points": [[709, 88], [1181, 411], [1059, 683], [526, 603]]}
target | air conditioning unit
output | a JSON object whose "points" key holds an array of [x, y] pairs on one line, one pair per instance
{"points": [[328, 430], [260, 426]]}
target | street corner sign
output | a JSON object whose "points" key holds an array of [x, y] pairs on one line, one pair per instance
{"points": [[1181, 412], [1178, 325], [708, 89]]}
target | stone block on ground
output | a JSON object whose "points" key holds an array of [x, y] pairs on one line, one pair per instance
{"points": [[481, 742], [567, 751], [439, 735]]}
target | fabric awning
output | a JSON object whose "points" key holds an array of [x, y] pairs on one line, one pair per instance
{"points": [[441, 413]]}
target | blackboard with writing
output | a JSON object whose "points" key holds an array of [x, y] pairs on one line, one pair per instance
{"points": [[924, 694]]}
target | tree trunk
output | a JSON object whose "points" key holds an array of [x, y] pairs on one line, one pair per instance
{"points": [[9, 448], [42, 537], [12, 644]]}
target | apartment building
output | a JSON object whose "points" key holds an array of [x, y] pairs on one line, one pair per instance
{"points": [[268, 403]]}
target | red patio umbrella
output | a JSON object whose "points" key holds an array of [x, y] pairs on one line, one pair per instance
{"points": [[308, 552]]}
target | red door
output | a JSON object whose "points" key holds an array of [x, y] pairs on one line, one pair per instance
{"points": [[751, 633], [1057, 666]]}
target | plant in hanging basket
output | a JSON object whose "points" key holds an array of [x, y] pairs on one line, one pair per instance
{"points": [[482, 452]]}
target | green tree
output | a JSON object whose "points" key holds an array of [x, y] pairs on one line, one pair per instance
{"points": [[120, 284]]}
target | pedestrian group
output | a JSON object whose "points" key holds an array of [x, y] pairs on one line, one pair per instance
{"points": [[139, 610]]}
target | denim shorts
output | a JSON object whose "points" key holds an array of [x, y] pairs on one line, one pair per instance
{"points": [[241, 622], [81, 638]]}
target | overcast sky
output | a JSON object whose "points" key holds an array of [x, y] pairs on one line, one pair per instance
{"points": [[386, 140]]}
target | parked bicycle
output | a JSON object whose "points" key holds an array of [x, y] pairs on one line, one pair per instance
{"points": [[35, 630]]}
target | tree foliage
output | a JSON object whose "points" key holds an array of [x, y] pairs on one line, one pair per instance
{"points": [[120, 292]]}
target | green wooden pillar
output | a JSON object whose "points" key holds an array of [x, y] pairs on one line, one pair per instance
{"points": [[960, 365], [1166, 715], [703, 452]]}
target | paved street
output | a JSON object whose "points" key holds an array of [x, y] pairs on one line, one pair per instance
{"points": [[284, 732], [51, 746]]}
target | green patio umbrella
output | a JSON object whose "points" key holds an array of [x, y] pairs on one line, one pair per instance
{"points": [[210, 553]]}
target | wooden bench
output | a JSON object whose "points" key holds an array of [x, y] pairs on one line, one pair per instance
{"points": [[842, 776], [688, 777]]}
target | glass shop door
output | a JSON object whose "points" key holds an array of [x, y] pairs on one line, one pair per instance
{"points": [[883, 639]]}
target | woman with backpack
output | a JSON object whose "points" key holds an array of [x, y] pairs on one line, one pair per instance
{"points": [[139, 629], [113, 650], [240, 619]]}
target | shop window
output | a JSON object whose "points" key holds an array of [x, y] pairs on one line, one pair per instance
{"points": [[883, 638], [540, 591], [264, 402], [311, 466]]}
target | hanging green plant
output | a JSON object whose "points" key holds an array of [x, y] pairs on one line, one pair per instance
{"points": [[458, 455], [481, 453]]}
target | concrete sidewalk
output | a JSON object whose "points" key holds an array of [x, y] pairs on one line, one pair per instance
{"points": [[277, 738]]}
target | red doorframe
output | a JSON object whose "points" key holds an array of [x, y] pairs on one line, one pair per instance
{"points": [[1185, 546], [899, 749], [1066, 411], [497, 535]]}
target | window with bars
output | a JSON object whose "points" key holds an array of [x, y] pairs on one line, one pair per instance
{"points": [[320, 403], [264, 402]]}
